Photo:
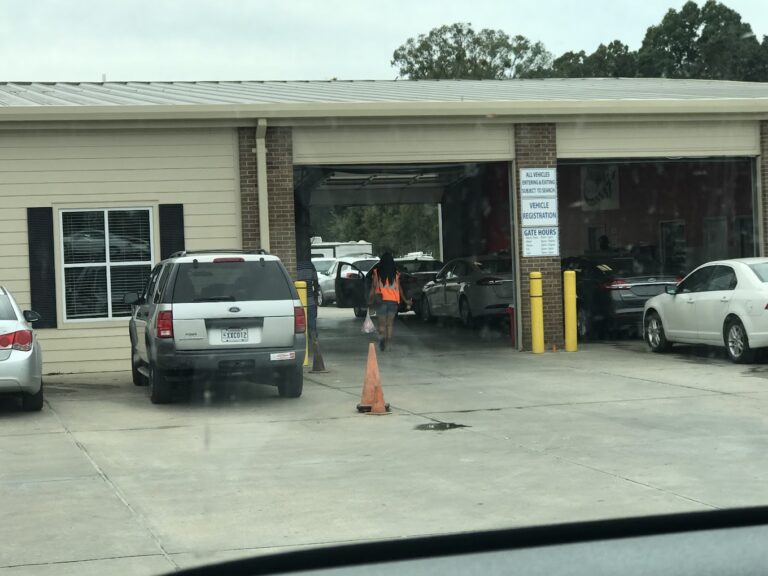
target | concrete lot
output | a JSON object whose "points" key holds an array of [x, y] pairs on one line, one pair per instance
{"points": [[103, 482]]}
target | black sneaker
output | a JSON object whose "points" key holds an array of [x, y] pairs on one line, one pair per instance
{"points": [[382, 345]]}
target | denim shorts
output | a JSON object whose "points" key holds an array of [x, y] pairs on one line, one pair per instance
{"points": [[386, 308]]}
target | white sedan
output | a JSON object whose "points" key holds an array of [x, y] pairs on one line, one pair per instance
{"points": [[723, 303]]}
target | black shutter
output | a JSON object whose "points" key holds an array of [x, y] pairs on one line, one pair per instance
{"points": [[171, 229], [42, 268]]}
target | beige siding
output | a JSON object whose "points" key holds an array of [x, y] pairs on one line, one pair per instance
{"points": [[657, 139], [102, 169], [379, 144]]}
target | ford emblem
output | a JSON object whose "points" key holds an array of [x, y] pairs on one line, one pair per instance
{"points": [[234, 309]]}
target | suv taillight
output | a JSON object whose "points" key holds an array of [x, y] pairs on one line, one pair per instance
{"points": [[299, 320], [21, 340], [165, 324]]}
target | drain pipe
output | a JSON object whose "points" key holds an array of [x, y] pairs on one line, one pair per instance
{"points": [[261, 182]]}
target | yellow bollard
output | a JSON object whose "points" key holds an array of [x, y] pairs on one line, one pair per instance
{"points": [[569, 307], [301, 288], [537, 314]]}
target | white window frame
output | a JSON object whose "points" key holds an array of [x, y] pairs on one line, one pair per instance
{"points": [[107, 264]]}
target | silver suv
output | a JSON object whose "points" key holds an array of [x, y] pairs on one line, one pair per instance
{"points": [[226, 313]]}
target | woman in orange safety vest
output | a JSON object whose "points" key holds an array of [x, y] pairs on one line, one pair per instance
{"points": [[385, 295]]}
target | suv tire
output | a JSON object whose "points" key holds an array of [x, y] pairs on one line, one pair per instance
{"points": [[290, 382], [33, 402], [159, 388]]}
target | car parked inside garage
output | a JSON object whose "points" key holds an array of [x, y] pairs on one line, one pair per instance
{"points": [[611, 290], [470, 289], [21, 359], [349, 267], [722, 303]]}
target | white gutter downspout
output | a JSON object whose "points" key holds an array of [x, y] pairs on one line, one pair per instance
{"points": [[261, 180]]}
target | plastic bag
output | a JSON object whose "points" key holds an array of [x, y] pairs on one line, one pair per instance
{"points": [[368, 327]]}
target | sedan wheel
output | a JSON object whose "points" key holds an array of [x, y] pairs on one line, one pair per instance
{"points": [[466, 313], [737, 342], [654, 333], [425, 311], [583, 325]]}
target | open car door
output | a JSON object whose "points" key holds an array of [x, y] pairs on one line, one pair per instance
{"points": [[350, 286]]}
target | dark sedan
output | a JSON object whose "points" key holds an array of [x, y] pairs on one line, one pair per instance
{"points": [[611, 291]]}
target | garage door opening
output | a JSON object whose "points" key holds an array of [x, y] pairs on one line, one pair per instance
{"points": [[427, 215], [631, 227]]}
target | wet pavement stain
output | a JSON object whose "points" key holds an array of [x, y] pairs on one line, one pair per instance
{"points": [[440, 426]]}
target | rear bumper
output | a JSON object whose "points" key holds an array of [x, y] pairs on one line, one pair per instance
{"points": [[243, 362], [20, 373]]}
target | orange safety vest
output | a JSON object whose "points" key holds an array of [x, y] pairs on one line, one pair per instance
{"points": [[388, 292]]}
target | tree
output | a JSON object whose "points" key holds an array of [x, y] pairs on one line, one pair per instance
{"points": [[615, 60], [710, 42], [456, 51], [400, 228]]}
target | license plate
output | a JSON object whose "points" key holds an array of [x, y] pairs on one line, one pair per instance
{"points": [[234, 335]]}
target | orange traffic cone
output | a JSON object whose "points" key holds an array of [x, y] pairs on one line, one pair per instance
{"points": [[372, 399], [317, 358], [379, 407]]}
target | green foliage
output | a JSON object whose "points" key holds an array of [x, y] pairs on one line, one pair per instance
{"points": [[456, 51], [612, 61], [400, 228], [707, 42]]}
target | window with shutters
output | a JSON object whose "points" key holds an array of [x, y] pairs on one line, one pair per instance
{"points": [[105, 254]]}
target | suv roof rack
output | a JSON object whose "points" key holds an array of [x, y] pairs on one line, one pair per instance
{"points": [[182, 253]]}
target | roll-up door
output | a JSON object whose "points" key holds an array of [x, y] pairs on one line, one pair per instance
{"points": [[657, 139], [389, 144]]}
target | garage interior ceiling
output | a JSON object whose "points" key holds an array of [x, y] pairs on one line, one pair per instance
{"points": [[375, 185]]}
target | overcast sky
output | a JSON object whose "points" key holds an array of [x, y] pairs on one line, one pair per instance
{"points": [[79, 40]]}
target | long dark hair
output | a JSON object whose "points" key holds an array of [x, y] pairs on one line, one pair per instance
{"points": [[387, 269]]}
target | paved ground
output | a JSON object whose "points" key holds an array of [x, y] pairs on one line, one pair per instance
{"points": [[102, 482]]}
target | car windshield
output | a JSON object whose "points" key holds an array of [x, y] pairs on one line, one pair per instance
{"points": [[323, 266], [229, 282], [573, 197], [6, 309]]}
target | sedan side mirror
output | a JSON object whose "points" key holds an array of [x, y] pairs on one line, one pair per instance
{"points": [[32, 316], [670, 289], [132, 298]]}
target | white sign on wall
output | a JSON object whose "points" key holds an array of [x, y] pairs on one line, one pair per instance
{"points": [[538, 212], [544, 241], [540, 182]]}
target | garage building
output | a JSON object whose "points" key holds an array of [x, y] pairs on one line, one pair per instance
{"points": [[99, 181]]}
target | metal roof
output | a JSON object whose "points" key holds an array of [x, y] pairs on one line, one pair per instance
{"points": [[309, 101]]}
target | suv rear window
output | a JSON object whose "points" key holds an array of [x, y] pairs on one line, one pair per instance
{"points": [[6, 310], [230, 282]]}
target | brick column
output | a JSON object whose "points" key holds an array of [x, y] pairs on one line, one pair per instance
{"points": [[763, 176], [249, 199], [535, 147], [282, 221]]}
